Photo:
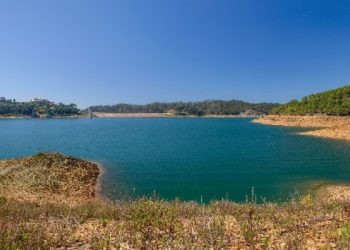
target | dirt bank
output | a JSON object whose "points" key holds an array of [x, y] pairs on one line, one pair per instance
{"points": [[334, 193], [49, 177], [335, 127]]}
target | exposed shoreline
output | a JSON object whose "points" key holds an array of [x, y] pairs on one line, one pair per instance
{"points": [[333, 127], [326, 191], [334, 192], [89, 188], [98, 186]]}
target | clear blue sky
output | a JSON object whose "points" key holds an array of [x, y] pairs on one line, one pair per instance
{"points": [[106, 52]]}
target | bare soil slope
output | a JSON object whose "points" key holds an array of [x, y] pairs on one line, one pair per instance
{"points": [[335, 127], [48, 177]]}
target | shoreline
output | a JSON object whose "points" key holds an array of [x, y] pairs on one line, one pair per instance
{"points": [[326, 190], [90, 189], [325, 126], [333, 192], [98, 184]]}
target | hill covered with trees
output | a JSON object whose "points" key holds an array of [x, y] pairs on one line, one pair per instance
{"points": [[332, 102], [209, 107], [36, 109]]}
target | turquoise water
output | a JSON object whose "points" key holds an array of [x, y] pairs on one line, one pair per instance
{"points": [[186, 158]]}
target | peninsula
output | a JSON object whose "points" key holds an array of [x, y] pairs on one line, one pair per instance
{"points": [[36, 108], [327, 114]]}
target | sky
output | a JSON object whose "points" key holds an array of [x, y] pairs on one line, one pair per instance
{"points": [[140, 51]]}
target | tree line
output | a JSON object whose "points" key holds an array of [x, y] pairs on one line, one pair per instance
{"points": [[37, 109], [331, 102], [210, 107]]}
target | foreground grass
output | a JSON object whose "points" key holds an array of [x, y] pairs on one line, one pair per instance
{"points": [[156, 224]]}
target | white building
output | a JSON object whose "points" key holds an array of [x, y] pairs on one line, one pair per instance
{"points": [[36, 99]]}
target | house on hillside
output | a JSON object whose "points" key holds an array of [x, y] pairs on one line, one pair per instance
{"points": [[2, 99], [39, 100]]}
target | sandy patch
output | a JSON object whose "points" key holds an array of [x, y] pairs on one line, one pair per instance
{"points": [[335, 127]]}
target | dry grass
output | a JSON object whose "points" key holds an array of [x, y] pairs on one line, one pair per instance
{"points": [[156, 224], [50, 176]]}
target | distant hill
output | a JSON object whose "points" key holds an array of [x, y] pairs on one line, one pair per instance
{"points": [[331, 102], [42, 108], [209, 107]]}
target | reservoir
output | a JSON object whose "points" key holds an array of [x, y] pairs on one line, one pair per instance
{"points": [[186, 158]]}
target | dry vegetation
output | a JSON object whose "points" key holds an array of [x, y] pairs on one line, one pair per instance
{"points": [[49, 176], [149, 223]]}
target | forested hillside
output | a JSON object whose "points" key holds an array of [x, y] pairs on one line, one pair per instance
{"points": [[210, 107], [36, 109], [332, 102]]}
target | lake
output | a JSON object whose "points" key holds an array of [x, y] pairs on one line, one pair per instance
{"points": [[186, 158]]}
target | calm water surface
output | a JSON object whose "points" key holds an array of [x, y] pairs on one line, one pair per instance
{"points": [[186, 158]]}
